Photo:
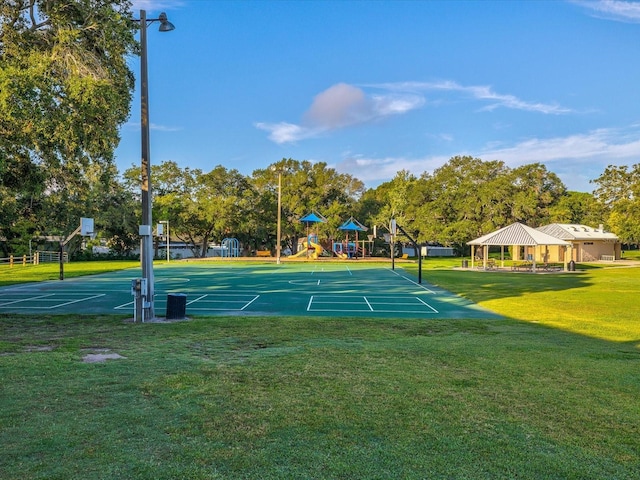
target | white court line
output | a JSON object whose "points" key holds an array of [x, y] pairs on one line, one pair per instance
{"points": [[196, 299], [304, 282], [426, 304], [211, 298], [414, 282], [254, 299], [370, 307], [76, 301], [124, 305], [357, 306], [28, 299]]}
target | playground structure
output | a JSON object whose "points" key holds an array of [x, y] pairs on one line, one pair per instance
{"points": [[308, 247], [349, 249], [345, 250], [230, 248]]}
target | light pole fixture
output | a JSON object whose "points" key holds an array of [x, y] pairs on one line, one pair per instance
{"points": [[166, 222], [278, 237], [146, 247]]}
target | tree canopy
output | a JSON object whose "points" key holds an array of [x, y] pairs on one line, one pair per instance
{"points": [[65, 89]]}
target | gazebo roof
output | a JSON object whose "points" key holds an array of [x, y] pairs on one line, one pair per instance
{"points": [[517, 234]]}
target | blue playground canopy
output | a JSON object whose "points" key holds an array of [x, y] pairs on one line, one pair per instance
{"points": [[353, 225], [313, 217]]}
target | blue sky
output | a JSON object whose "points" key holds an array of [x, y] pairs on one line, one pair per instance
{"points": [[374, 87]]}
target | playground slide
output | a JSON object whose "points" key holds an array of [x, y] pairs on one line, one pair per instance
{"points": [[317, 250], [340, 254]]}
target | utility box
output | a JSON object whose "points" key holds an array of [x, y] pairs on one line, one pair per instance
{"points": [[138, 291], [176, 306]]}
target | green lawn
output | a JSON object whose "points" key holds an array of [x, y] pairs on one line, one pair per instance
{"points": [[51, 271], [551, 392]]}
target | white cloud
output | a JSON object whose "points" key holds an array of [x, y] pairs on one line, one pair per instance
{"points": [[575, 158], [604, 144], [377, 170], [284, 132], [477, 92], [341, 106], [613, 9]]}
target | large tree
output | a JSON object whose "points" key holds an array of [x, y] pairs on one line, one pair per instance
{"points": [[467, 197], [618, 193], [65, 89], [307, 187], [201, 206]]}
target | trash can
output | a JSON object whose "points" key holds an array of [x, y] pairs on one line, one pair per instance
{"points": [[572, 266], [176, 306], [465, 263]]}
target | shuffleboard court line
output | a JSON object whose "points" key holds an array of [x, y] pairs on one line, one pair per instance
{"points": [[370, 307], [196, 299], [77, 301], [410, 280], [254, 299], [27, 299], [426, 304], [309, 304]]}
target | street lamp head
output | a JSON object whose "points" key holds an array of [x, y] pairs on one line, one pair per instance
{"points": [[165, 25]]}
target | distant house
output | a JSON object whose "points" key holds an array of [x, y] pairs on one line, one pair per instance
{"points": [[588, 244]]}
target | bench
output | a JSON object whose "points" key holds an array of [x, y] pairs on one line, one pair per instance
{"points": [[263, 253], [405, 256], [522, 266], [551, 267]]}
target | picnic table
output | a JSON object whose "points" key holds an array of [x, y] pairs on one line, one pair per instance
{"points": [[551, 267], [517, 266]]}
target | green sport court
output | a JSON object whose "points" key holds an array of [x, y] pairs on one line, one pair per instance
{"points": [[236, 288]]}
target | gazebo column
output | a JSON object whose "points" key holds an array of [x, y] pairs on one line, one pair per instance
{"points": [[485, 254]]}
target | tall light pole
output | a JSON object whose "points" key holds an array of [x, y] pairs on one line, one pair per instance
{"points": [[168, 238], [278, 237], [146, 250]]}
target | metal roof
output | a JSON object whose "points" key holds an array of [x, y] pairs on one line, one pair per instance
{"points": [[572, 231], [518, 234]]}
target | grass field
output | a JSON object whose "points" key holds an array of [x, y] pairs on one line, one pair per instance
{"points": [[550, 392], [51, 271]]}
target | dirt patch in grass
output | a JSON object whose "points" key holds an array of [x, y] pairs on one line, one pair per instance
{"points": [[101, 357]]}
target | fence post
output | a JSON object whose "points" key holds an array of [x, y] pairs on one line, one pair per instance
{"points": [[24, 260]]}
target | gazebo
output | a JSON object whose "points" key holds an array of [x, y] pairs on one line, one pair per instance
{"points": [[516, 235]]}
